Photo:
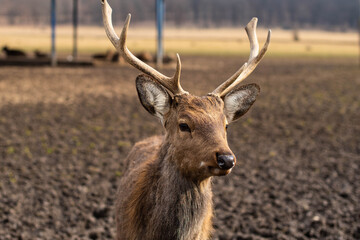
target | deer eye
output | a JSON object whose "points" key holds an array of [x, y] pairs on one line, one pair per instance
{"points": [[226, 126], [184, 127]]}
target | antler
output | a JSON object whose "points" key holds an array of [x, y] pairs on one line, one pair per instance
{"points": [[248, 67], [171, 83]]}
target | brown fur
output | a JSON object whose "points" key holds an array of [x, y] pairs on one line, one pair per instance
{"points": [[166, 192]]}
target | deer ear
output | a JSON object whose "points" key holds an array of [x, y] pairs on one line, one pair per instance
{"points": [[238, 101], [154, 97]]}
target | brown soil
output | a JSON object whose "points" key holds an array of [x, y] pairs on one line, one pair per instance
{"points": [[64, 133]]}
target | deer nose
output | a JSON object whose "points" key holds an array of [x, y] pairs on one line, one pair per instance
{"points": [[225, 162]]}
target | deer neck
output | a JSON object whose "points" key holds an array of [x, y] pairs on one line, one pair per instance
{"points": [[184, 202], [190, 195]]}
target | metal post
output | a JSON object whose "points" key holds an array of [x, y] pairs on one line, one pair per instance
{"points": [[359, 31], [53, 25], [159, 25], [75, 25]]}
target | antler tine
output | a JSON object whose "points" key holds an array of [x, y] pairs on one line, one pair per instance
{"points": [[250, 66], [171, 83], [254, 59], [254, 43], [110, 32], [229, 81]]}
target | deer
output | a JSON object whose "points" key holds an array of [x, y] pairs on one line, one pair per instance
{"points": [[165, 191], [13, 52]]}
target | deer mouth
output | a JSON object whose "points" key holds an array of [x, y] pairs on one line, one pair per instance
{"points": [[216, 171]]}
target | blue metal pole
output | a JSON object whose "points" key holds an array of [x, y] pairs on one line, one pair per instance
{"points": [[53, 25], [359, 31], [159, 25], [75, 25]]}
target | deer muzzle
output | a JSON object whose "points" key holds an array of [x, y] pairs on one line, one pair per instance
{"points": [[225, 162]]}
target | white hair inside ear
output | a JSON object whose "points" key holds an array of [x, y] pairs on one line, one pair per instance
{"points": [[239, 100], [155, 99]]}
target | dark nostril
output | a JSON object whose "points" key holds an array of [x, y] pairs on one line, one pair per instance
{"points": [[225, 162]]}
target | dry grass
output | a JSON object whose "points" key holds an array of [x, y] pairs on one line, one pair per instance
{"points": [[226, 41]]}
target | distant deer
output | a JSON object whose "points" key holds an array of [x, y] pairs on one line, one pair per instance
{"points": [[13, 52], [165, 192], [145, 56], [107, 56], [39, 54]]}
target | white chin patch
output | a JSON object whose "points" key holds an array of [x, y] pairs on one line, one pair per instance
{"points": [[217, 171]]}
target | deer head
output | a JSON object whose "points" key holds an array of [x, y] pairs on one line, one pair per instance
{"points": [[195, 126]]}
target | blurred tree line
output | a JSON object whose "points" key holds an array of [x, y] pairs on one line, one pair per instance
{"points": [[326, 14]]}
